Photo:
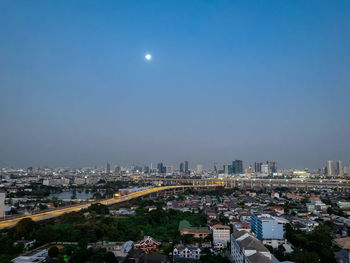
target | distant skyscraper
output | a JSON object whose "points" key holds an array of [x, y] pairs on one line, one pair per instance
{"points": [[168, 170], [199, 169], [249, 170], [216, 168], [2, 203], [237, 167], [265, 169], [340, 170], [227, 169], [330, 168], [272, 166], [257, 167], [161, 168], [347, 170], [146, 169], [117, 169], [108, 168], [182, 167], [187, 167]]}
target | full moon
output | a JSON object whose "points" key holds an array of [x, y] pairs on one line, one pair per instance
{"points": [[148, 57]]}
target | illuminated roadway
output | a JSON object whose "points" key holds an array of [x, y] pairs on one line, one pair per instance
{"points": [[58, 212]]}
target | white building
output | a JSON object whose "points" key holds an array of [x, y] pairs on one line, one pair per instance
{"points": [[221, 234], [2, 203], [38, 257], [247, 249], [199, 169], [186, 252], [265, 169]]}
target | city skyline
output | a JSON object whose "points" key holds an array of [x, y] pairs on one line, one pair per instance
{"points": [[226, 80]]}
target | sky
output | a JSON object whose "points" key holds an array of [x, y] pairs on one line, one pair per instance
{"points": [[251, 80]]}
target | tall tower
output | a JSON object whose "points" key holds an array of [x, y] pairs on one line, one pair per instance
{"points": [[237, 167], [187, 167], [257, 167], [108, 168], [340, 170], [182, 167], [2, 203], [330, 168]]}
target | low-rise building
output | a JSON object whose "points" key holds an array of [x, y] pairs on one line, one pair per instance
{"points": [[247, 249], [147, 244], [221, 234], [38, 257], [186, 252]]}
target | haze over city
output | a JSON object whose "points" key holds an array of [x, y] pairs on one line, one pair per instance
{"points": [[249, 80]]}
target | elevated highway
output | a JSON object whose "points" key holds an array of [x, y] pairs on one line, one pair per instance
{"points": [[8, 223], [258, 183]]}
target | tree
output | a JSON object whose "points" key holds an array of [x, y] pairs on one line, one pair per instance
{"points": [[25, 227], [53, 252]]}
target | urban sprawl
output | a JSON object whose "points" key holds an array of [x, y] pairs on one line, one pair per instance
{"points": [[231, 213]]}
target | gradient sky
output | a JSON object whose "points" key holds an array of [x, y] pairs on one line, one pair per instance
{"points": [[252, 80]]}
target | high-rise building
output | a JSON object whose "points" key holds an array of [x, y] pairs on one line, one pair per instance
{"points": [[182, 167], [265, 169], [199, 169], [249, 170], [187, 167], [2, 203], [237, 167], [216, 168], [108, 168], [265, 226], [347, 170], [272, 166], [146, 169], [257, 167], [330, 168], [117, 169], [161, 168], [227, 169], [340, 170], [168, 170]]}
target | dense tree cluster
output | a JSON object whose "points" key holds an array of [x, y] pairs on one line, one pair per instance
{"points": [[309, 247], [98, 225]]}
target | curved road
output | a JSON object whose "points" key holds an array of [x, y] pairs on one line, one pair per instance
{"points": [[57, 212]]}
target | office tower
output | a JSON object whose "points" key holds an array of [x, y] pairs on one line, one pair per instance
{"points": [[182, 167], [265, 169], [2, 203], [265, 226], [340, 170], [257, 167], [146, 169], [237, 167], [168, 170], [249, 170], [272, 166], [199, 169], [330, 168], [216, 168], [347, 170], [108, 168], [187, 167], [226, 169], [160, 168], [117, 169]]}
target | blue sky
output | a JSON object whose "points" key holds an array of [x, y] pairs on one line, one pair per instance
{"points": [[251, 80]]}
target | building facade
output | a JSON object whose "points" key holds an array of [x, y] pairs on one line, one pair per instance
{"points": [[266, 227], [186, 252], [247, 249], [221, 234]]}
